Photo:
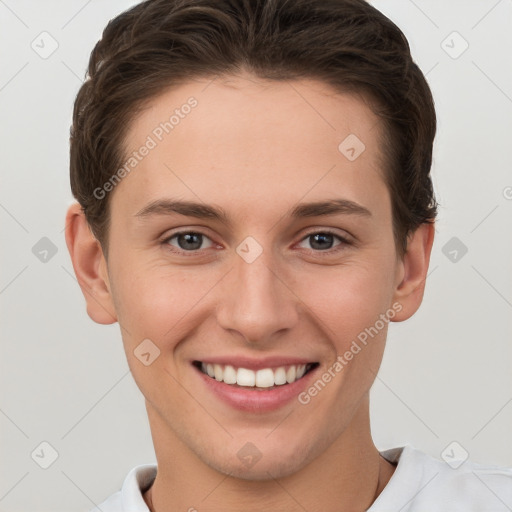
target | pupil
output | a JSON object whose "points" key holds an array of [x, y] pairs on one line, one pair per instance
{"points": [[319, 238], [191, 241]]}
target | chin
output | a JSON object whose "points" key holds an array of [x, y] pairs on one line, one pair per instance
{"points": [[252, 464]]}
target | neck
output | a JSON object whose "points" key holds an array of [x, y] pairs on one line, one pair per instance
{"points": [[348, 475]]}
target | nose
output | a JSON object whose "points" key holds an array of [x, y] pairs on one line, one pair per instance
{"points": [[257, 302]]}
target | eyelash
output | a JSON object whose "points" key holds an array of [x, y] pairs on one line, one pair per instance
{"points": [[326, 252]]}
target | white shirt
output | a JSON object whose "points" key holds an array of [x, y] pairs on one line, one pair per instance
{"points": [[420, 483]]}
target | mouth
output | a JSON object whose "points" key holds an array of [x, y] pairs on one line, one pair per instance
{"points": [[260, 379]]}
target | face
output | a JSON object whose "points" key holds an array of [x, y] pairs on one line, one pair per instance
{"points": [[286, 260]]}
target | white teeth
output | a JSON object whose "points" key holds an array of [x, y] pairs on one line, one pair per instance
{"points": [[280, 376], [229, 375], [217, 371], [264, 378], [291, 374], [245, 377]]}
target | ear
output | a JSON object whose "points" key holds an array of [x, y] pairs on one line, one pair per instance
{"points": [[90, 266], [412, 271]]}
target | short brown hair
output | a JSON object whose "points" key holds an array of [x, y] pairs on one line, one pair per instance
{"points": [[346, 43]]}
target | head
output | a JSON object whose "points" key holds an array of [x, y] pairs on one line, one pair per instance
{"points": [[253, 112]]}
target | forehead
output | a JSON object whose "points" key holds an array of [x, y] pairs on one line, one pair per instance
{"points": [[247, 140]]}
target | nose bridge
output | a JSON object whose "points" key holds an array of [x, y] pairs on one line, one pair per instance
{"points": [[255, 301]]}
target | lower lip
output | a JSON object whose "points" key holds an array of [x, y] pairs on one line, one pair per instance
{"points": [[256, 399]]}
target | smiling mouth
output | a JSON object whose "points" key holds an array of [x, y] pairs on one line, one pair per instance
{"points": [[258, 379]]}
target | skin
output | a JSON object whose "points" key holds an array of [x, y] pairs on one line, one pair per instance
{"points": [[257, 149]]}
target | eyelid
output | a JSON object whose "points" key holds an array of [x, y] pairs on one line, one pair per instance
{"points": [[167, 237], [344, 240]]}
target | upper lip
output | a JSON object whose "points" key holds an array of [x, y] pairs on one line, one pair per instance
{"points": [[252, 363]]}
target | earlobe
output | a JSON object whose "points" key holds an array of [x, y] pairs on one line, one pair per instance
{"points": [[410, 288], [89, 266]]}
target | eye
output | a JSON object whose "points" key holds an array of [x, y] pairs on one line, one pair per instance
{"points": [[192, 242], [324, 240], [188, 241]]}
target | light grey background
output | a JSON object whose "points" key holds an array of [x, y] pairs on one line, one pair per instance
{"points": [[64, 379]]}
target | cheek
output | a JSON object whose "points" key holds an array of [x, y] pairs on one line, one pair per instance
{"points": [[349, 307], [154, 301], [349, 298], [157, 300]]}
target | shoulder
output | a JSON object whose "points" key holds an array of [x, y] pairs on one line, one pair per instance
{"points": [[422, 483], [129, 498]]}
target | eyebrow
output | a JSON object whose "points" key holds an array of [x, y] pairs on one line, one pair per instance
{"points": [[204, 211]]}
